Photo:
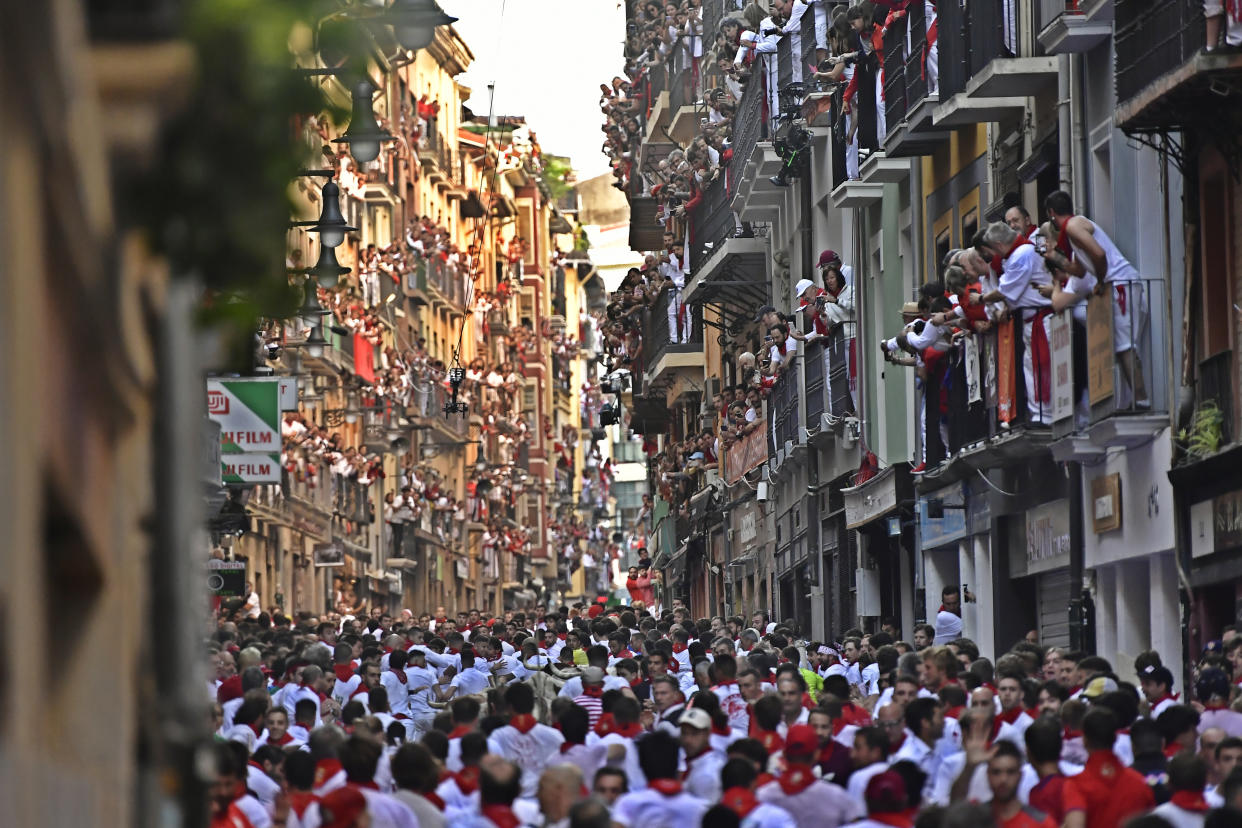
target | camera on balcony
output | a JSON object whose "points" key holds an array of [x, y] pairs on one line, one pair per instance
{"points": [[610, 414], [614, 384], [792, 142]]}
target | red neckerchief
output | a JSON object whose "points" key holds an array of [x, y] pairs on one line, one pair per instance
{"points": [[400, 674], [500, 815], [796, 778], [826, 752], [667, 787], [360, 690], [325, 769], [1190, 801], [284, 740], [562, 636], [343, 672], [299, 801], [897, 819], [459, 731], [629, 731], [740, 801], [568, 746], [1166, 697], [635, 683], [1063, 240], [467, 779], [894, 748], [1005, 717], [455, 650], [720, 730], [955, 712], [1172, 749], [595, 691], [369, 785], [523, 722], [605, 725], [771, 741], [679, 648], [434, 799]]}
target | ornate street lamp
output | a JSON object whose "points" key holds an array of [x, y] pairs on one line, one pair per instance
{"points": [[364, 135], [414, 22], [331, 225]]}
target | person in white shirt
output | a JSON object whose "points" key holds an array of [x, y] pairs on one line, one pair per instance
{"points": [[925, 723], [1024, 273], [809, 800], [416, 773], [531, 745], [663, 804], [619, 742], [702, 764], [419, 679], [869, 754], [790, 689]]}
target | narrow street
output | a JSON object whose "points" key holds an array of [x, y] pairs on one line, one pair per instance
{"points": [[844, 434]]}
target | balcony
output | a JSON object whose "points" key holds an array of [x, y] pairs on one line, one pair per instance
{"points": [[662, 358], [1095, 406], [683, 95], [983, 74], [910, 97], [446, 285], [784, 415], [749, 191], [1064, 29], [829, 397], [728, 263], [1164, 79], [988, 422]]}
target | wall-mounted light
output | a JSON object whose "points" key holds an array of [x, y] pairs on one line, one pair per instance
{"points": [[414, 22], [364, 135]]}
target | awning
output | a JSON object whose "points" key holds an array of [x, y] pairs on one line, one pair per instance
{"points": [[733, 280]]}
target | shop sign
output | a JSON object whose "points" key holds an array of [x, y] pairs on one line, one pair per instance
{"points": [[1047, 536], [248, 413], [329, 554], [226, 579], [1202, 529], [1106, 503], [746, 454], [1100, 358], [949, 504], [250, 468], [1227, 521], [1061, 348]]}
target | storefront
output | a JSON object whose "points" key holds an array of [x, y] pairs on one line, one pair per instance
{"points": [[880, 512]]}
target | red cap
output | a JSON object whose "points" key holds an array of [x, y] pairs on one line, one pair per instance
{"points": [[341, 808], [801, 740], [828, 257], [886, 792], [594, 611]]}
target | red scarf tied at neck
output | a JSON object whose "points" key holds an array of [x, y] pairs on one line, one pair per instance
{"points": [[501, 816], [523, 723], [594, 692], [1190, 801], [667, 787], [740, 801]]}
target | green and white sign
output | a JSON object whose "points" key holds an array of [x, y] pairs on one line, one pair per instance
{"points": [[248, 411]]}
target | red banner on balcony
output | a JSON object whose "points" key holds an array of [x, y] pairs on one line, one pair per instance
{"points": [[364, 358], [1006, 380], [746, 454]]}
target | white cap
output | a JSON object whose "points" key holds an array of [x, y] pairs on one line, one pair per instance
{"points": [[696, 718], [948, 627], [802, 286]]}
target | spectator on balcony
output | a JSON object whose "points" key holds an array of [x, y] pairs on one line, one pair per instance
{"points": [[868, 76], [1218, 15], [1082, 249], [782, 348], [1021, 277], [674, 268]]}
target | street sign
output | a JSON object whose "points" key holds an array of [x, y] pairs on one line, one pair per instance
{"points": [[248, 412], [250, 468]]}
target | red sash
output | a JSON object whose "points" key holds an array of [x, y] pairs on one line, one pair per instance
{"points": [[523, 723], [796, 778]]}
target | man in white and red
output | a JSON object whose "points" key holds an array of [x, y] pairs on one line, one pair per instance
{"points": [[724, 669], [591, 699], [887, 803], [310, 687], [1023, 273], [396, 682], [701, 776], [1157, 683], [681, 653], [663, 802], [531, 745], [810, 800], [347, 678], [360, 758], [738, 776], [370, 678], [1012, 721], [619, 742]]}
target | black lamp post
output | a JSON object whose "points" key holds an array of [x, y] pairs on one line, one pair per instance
{"points": [[364, 135]]}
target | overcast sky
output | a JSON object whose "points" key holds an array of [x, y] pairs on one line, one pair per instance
{"points": [[547, 59]]}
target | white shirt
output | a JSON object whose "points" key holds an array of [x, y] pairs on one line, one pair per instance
{"points": [[734, 706], [532, 751], [766, 815], [782, 728], [418, 681], [470, 681], [860, 778], [1119, 268], [652, 809], [820, 804], [1024, 270], [572, 688], [703, 775], [1179, 817], [262, 785]]}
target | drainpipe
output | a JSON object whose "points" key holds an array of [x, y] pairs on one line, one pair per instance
{"points": [[1073, 170]]}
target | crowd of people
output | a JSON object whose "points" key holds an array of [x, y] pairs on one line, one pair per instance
{"points": [[1020, 274], [592, 716]]}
